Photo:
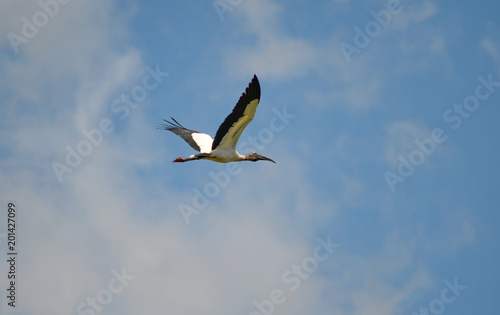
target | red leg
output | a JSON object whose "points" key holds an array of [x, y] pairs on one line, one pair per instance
{"points": [[179, 159]]}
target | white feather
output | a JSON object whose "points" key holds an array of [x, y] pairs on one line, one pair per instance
{"points": [[204, 141]]}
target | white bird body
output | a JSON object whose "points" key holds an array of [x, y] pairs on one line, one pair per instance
{"points": [[222, 149], [223, 156]]}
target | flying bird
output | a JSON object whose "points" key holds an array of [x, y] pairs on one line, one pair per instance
{"points": [[222, 149]]}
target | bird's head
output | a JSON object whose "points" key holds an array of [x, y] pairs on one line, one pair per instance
{"points": [[257, 157]]}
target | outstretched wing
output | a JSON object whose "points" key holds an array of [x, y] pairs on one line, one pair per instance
{"points": [[201, 142], [230, 130]]}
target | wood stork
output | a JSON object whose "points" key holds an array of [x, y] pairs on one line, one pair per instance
{"points": [[222, 149]]}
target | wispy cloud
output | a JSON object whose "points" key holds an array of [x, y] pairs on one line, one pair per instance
{"points": [[491, 48], [275, 54], [414, 12], [401, 139]]}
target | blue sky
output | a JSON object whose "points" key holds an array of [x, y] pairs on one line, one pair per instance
{"points": [[381, 116]]}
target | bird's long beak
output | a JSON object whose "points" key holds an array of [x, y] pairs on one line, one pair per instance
{"points": [[261, 157]]}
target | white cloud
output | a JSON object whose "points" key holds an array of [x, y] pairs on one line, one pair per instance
{"points": [[492, 49], [382, 283], [457, 229], [401, 140], [415, 13], [72, 59], [280, 55], [94, 95], [276, 54], [276, 57]]}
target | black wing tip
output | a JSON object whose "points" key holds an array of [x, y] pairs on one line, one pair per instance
{"points": [[169, 125], [162, 127], [174, 127], [177, 124], [253, 89]]}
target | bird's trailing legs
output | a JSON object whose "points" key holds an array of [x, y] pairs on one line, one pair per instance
{"points": [[191, 158], [179, 159]]}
